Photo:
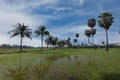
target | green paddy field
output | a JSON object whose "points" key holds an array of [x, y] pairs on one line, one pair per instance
{"points": [[60, 64]]}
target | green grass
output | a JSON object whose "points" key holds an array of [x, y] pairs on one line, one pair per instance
{"points": [[63, 64]]}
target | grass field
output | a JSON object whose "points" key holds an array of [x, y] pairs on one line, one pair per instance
{"points": [[60, 64]]}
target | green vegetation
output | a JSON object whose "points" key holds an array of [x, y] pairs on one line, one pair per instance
{"points": [[60, 64]]}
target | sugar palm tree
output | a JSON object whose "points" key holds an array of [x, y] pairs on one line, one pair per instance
{"points": [[41, 31], [106, 20], [75, 41], [77, 35], [88, 34], [68, 39], [91, 24], [93, 32], [21, 31]]}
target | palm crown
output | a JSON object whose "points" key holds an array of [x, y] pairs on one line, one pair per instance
{"points": [[106, 20], [88, 33], [91, 22]]}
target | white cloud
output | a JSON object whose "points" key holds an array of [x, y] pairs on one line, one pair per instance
{"points": [[13, 12], [77, 2]]}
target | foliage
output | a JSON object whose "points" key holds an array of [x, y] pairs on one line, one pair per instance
{"points": [[106, 20], [91, 22]]}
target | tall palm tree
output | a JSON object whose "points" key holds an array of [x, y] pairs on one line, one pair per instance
{"points": [[77, 35], [41, 31], [75, 41], [93, 32], [106, 20], [88, 34], [91, 24], [21, 31]]}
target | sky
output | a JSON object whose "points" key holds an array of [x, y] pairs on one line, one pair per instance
{"points": [[62, 18]]}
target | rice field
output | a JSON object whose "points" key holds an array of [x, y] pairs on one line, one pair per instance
{"points": [[60, 64]]}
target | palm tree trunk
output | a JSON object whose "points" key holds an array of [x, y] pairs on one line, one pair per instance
{"points": [[92, 41], [21, 44], [89, 41], [41, 43], [107, 49]]}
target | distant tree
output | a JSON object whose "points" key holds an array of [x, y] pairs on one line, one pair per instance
{"points": [[21, 31], [68, 38], [103, 42], [106, 20], [61, 44], [54, 41], [91, 24], [77, 35], [88, 34], [68, 42], [41, 31], [75, 41]]}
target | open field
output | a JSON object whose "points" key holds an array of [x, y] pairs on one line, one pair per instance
{"points": [[60, 64]]}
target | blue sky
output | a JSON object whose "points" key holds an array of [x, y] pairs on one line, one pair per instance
{"points": [[63, 18]]}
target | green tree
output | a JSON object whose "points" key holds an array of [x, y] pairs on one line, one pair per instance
{"points": [[106, 20], [77, 35], [48, 41], [68, 39], [75, 41], [41, 31], [91, 24], [21, 31], [88, 34], [54, 41]]}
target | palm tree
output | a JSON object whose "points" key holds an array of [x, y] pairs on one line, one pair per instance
{"points": [[106, 20], [75, 41], [21, 31], [103, 42], [41, 31], [91, 24], [69, 39], [119, 33], [93, 32], [54, 41], [88, 34], [77, 35]]}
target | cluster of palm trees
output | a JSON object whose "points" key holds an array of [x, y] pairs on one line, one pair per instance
{"points": [[105, 21], [92, 31], [51, 41]]}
